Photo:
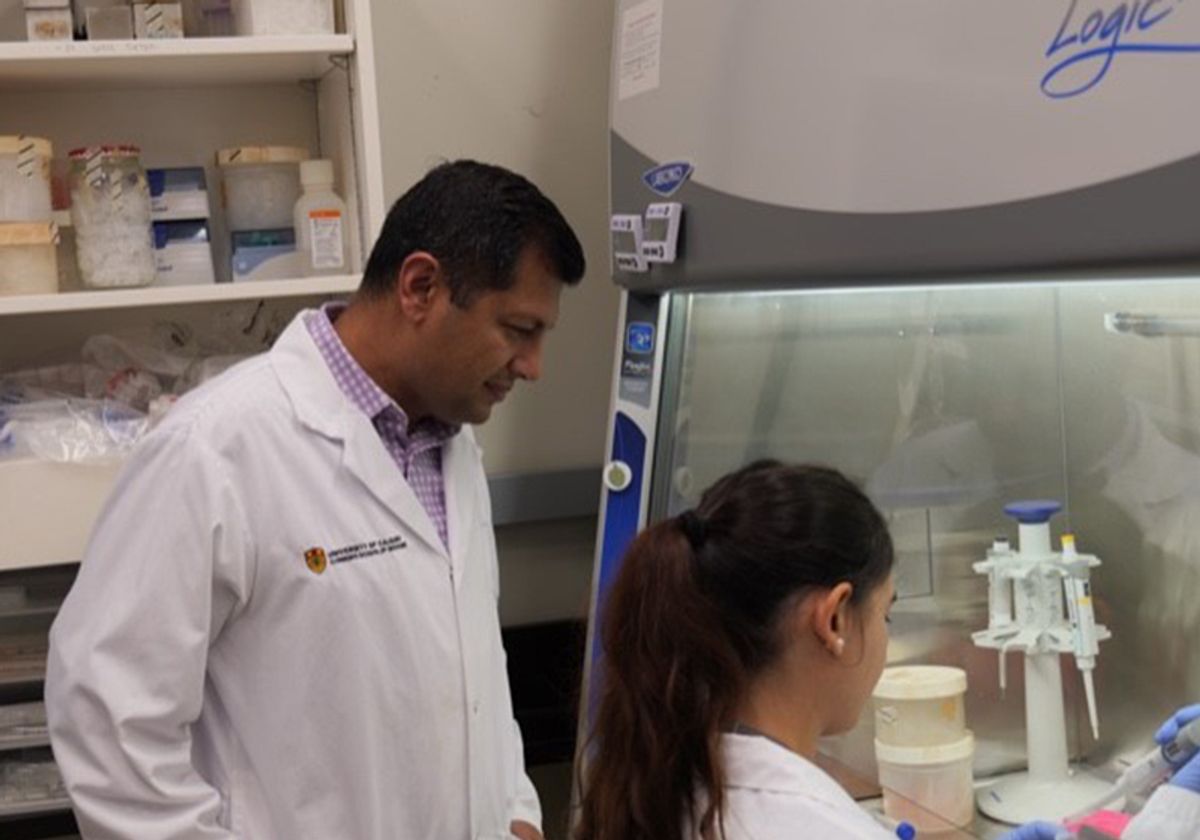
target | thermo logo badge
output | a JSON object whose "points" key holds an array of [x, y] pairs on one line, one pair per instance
{"points": [[666, 178], [639, 338], [316, 561]]}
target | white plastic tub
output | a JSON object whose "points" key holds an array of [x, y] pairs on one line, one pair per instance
{"points": [[48, 20], [28, 258], [930, 787], [283, 17], [260, 186], [920, 706], [24, 178]]}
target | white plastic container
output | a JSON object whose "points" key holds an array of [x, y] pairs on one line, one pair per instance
{"points": [[28, 258], [109, 23], [260, 186], [48, 20], [920, 706], [25, 178], [930, 787], [283, 17], [157, 20], [320, 221]]}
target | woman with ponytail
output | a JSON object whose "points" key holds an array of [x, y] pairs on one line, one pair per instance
{"points": [[734, 636]]}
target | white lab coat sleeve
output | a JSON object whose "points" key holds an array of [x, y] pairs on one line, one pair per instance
{"points": [[168, 562], [525, 805], [1173, 813]]}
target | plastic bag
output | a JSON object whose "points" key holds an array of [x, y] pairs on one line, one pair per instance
{"points": [[100, 406], [70, 429]]}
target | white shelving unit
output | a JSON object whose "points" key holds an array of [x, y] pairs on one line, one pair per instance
{"points": [[180, 101], [164, 296], [195, 62]]}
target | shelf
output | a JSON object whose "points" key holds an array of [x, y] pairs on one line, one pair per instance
{"points": [[9, 743], [25, 675], [33, 807], [168, 295], [29, 611], [181, 62]]}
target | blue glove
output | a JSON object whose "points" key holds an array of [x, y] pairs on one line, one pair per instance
{"points": [[1034, 831], [1187, 776]]}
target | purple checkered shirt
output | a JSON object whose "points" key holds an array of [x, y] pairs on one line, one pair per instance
{"points": [[418, 452]]}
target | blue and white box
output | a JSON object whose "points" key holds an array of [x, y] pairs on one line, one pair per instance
{"points": [[265, 255], [177, 193], [182, 253]]}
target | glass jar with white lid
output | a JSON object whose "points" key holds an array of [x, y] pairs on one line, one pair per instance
{"points": [[110, 211]]}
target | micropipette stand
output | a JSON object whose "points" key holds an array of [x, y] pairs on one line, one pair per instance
{"points": [[1025, 613]]}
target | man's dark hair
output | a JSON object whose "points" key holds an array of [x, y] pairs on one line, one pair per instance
{"points": [[476, 219]]}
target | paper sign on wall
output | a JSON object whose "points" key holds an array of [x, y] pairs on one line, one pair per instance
{"points": [[641, 47]]}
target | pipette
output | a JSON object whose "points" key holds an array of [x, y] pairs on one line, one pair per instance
{"points": [[1078, 593], [1158, 765], [903, 830], [1152, 769]]}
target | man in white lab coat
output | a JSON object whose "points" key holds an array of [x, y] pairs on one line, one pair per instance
{"points": [[285, 624]]}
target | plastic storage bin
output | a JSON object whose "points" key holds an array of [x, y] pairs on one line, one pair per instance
{"points": [[110, 211], [208, 19], [260, 186], [930, 787], [25, 179], [283, 17], [48, 20], [109, 23], [920, 706], [28, 258], [157, 20]]}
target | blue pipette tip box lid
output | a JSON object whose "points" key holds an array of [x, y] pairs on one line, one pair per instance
{"points": [[1034, 512]]}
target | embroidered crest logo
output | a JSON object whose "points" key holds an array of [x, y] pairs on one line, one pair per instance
{"points": [[315, 559]]}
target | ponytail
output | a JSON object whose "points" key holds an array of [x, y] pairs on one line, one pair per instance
{"points": [[669, 684], [691, 619]]}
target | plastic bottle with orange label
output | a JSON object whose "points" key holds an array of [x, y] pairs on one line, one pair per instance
{"points": [[320, 220]]}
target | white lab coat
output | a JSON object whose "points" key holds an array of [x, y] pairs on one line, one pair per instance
{"points": [[772, 793], [204, 682]]}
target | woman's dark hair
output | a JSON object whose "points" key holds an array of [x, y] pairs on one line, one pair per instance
{"points": [[691, 617], [476, 219]]}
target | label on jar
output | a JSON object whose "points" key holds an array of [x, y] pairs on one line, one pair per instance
{"points": [[155, 24], [325, 238], [93, 171], [27, 157]]}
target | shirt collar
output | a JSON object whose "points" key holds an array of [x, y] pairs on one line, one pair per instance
{"points": [[356, 384]]}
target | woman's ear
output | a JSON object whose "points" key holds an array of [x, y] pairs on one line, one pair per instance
{"points": [[829, 618]]}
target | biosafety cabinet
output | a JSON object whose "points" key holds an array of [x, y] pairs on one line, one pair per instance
{"points": [[954, 251]]}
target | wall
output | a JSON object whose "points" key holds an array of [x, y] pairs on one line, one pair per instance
{"points": [[523, 84]]}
